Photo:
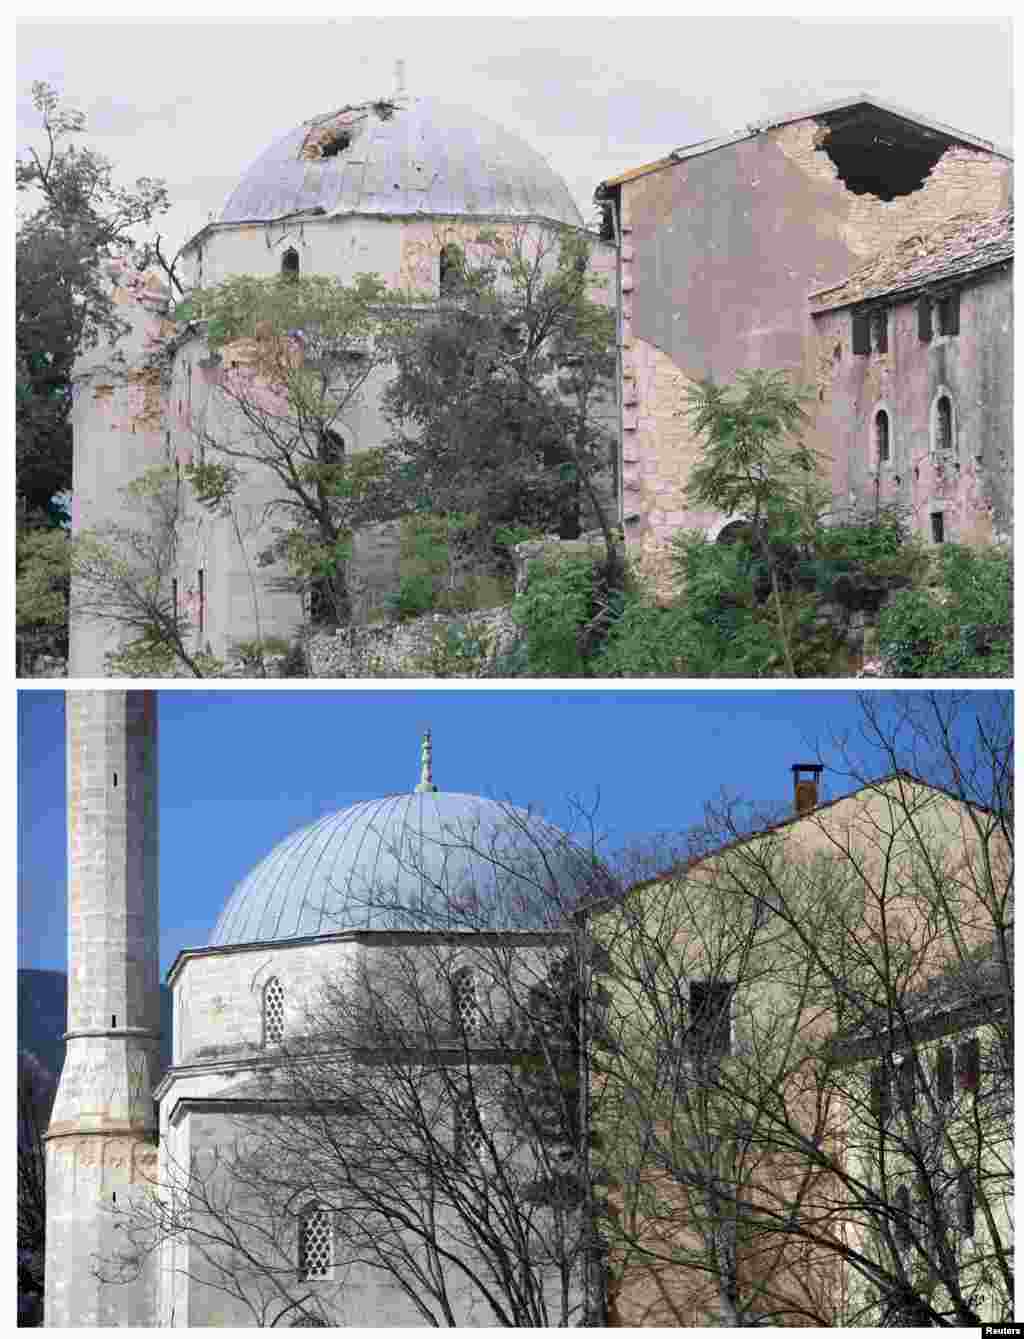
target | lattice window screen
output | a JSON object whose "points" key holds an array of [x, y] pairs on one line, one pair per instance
{"points": [[316, 1243], [465, 1005], [273, 1012], [469, 1137]]}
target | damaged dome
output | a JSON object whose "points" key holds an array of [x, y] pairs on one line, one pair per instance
{"points": [[399, 157]]}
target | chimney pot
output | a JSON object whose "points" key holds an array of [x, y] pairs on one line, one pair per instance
{"points": [[805, 788]]}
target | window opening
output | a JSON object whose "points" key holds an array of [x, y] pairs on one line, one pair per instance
{"points": [[965, 1203], [938, 527], [465, 1005], [902, 1206], [944, 424], [202, 601], [924, 319], [880, 1094], [710, 1019], [882, 437], [944, 1073], [290, 264], [880, 330], [174, 597], [947, 311], [968, 1065], [907, 1084], [448, 269], [316, 1243], [273, 1012], [113, 1020], [861, 333], [330, 447], [469, 1136]]}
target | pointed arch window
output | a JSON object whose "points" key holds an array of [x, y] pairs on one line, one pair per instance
{"points": [[273, 1012], [465, 1002], [290, 264], [316, 1242]]}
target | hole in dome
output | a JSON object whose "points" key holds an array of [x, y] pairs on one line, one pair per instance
{"points": [[338, 142]]}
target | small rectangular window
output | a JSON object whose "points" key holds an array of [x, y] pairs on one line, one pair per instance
{"points": [[880, 1094], [202, 601], [948, 313], [861, 333], [965, 1203], [907, 1082], [880, 330], [924, 319], [938, 527], [710, 1031], [901, 1226], [944, 1073], [968, 1065]]}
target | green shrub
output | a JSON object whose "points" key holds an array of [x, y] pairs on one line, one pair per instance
{"points": [[558, 602], [962, 628]]}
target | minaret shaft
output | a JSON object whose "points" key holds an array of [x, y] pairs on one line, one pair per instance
{"points": [[101, 1139]]}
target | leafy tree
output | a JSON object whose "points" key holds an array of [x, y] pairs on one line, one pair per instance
{"points": [[755, 467], [502, 394], [75, 218], [42, 571], [295, 355]]}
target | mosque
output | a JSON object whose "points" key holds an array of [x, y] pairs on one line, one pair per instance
{"points": [[384, 188], [431, 888]]}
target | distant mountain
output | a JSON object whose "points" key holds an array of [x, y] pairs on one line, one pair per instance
{"points": [[43, 1014]]}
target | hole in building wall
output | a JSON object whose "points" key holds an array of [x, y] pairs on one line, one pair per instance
{"points": [[877, 153]]}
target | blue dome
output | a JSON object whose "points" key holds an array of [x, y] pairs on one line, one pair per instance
{"points": [[401, 157], [414, 862]]}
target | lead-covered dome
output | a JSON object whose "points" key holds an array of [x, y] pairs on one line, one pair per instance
{"points": [[400, 157], [431, 859]]}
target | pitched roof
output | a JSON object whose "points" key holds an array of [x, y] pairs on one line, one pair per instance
{"points": [[891, 112], [960, 246]]}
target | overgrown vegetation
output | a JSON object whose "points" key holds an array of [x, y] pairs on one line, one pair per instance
{"points": [[776, 594], [962, 629], [73, 217]]}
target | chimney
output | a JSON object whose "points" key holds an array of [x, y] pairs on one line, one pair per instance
{"points": [[805, 788]]}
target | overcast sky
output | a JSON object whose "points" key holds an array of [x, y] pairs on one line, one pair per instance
{"points": [[196, 102]]}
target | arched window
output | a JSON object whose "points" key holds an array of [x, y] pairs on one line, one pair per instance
{"points": [[316, 1243], [273, 1012], [945, 438], [882, 437], [290, 264], [465, 1004]]}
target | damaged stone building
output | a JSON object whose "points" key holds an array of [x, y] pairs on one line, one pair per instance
{"points": [[776, 248], [381, 188], [735, 254]]}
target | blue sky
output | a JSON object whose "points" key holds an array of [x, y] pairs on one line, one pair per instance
{"points": [[239, 770]]}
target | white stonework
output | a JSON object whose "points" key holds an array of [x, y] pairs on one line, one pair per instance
{"points": [[103, 1151]]}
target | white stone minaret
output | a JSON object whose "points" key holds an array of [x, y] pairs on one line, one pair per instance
{"points": [[101, 1144]]}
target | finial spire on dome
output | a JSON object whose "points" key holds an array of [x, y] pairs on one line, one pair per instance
{"points": [[426, 766]]}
